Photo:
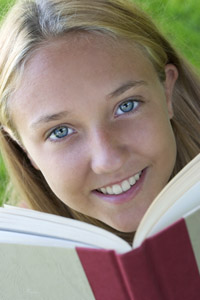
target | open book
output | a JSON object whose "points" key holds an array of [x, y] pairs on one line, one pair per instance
{"points": [[44, 256]]}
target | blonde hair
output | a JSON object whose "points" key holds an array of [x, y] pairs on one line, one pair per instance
{"points": [[31, 23]]}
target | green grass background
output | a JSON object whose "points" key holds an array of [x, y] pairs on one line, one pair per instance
{"points": [[178, 19]]}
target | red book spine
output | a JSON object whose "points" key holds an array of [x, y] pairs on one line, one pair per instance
{"points": [[163, 268], [104, 274]]}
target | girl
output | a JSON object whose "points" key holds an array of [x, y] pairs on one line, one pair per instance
{"points": [[97, 110]]}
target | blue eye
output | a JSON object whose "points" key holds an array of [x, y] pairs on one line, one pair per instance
{"points": [[127, 106], [60, 132]]}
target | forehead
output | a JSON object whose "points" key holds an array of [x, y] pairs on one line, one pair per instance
{"points": [[86, 43], [77, 51], [85, 62]]}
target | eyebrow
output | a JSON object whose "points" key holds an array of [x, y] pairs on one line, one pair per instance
{"points": [[48, 118], [56, 117], [126, 86]]}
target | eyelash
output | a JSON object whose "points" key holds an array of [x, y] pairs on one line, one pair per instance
{"points": [[69, 130]]}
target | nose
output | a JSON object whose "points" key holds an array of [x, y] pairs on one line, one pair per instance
{"points": [[108, 154]]}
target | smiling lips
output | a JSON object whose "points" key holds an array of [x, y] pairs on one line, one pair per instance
{"points": [[117, 189]]}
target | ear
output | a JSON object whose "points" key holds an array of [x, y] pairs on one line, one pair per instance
{"points": [[171, 73]]}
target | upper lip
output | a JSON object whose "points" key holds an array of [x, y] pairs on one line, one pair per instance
{"points": [[119, 181]]}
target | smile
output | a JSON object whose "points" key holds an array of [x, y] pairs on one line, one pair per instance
{"points": [[122, 187]]}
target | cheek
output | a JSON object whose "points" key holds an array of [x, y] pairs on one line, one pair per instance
{"points": [[63, 169], [152, 136], [160, 147]]}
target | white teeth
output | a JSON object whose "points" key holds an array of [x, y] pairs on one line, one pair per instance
{"points": [[117, 189], [109, 190], [132, 180], [125, 185], [103, 190], [137, 176]]}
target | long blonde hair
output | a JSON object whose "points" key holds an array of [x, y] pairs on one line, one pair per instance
{"points": [[31, 23]]}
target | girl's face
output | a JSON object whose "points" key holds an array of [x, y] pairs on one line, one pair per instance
{"points": [[95, 120]]}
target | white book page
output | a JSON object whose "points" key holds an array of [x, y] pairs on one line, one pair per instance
{"points": [[9, 237], [29, 214], [174, 190], [189, 201], [40, 224]]}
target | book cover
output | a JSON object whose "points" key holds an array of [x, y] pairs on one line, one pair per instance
{"points": [[166, 266], [44, 256]]}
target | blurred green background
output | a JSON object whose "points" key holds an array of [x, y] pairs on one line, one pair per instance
{"points": [[178, 19]]}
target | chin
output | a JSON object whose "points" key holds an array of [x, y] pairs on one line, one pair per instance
{"points": [[123, 227], [127, 229]]}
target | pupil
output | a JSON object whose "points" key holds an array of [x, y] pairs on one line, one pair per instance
{"points": [[127, 106], [61, 132]]}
